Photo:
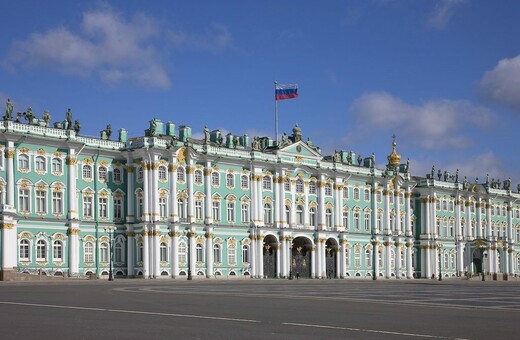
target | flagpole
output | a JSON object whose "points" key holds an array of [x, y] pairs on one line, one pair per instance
{"points": [[275, 115]]}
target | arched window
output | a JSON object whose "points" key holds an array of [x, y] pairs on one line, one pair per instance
{"points": [[23, 162], [199, 253], [312, 216], [216, 209], [41, 251], [24, 252], [268, 214], [345, 218], [357, 256], [103, 252], [215, 178], [367, 221], [299, 186], [116, 175], [244, 182], [40, 163], [118, 252], [57, 165], [198, 177], [245, 254], [347, 257], [367, 195], [57, 251], [287, 184], [162, 173], [140, 174], [230, 181], [356, 193], [102, 174], [328, 189], [266, 183], [288, 214], [88, 252], [163, 252], [181, 175], [232, 254], [346, 192], [368, 258], [87, 172], [356, 220], [312, 188], [299, 214], [217, 255]]}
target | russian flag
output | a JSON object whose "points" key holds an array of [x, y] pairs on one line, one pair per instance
{"points": [[287, 91]]}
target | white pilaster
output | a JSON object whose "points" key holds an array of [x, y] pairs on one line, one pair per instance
{"points": [[130, 246], [209, 252]]}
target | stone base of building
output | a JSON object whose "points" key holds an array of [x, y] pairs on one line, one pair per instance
{"points": [[7, 274]]}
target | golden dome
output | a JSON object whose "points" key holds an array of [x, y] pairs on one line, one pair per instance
{"points": [[394, 158]]}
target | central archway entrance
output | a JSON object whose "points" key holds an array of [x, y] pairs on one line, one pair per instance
{"points": [[301, 257], [477, 260], [269, 253], [331, 255]]}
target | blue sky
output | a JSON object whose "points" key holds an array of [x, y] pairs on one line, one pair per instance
{"points": [[443, 75]]}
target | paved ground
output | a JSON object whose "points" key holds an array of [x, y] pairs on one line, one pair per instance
{"points": [[277, 309]]}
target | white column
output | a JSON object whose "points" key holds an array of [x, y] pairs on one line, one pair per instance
{"points": [[157, 252], [130, 195], [397, 260], [479, 218], [409, 264], [190, 170], [154, 194], [321, 205], [397, 219], [288, 256], [146, 192], [375, 259], [323, 260], [283, 255], [192, 249], [488, 218], [313, 261], [130, 246], [71, 183], [342, 250], [386, 214], [278, 259], [172, 173], [9, 245], [74, 251], [277, 198], [146, 257], [281, 200], [9, 157], [407, 221], [339, 260], [252, 237], [209, 252], [174, 258], [260, 256], [388, 258], [425, 252], [208, 202]]}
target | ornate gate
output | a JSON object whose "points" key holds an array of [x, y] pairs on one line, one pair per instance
{"points": [[330, 262], [269, 261], [301, 258]]}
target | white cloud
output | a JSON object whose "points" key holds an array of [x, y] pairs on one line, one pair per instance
{"points": [[106, 45], [216, 39], [433, 124], [444, 10], [502, 83]]}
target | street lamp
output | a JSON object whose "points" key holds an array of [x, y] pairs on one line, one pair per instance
{"points": [[110, 231], [440, 262]]}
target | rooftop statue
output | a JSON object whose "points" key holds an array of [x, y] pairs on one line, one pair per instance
{"points": [[206, 135], [68, 119], [77, 127], [8, 110], [46, 118]]}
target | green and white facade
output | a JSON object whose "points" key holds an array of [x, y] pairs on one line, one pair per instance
{"points": [[225, 205]]}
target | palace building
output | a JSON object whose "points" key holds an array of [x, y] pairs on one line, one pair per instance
{"points": [[166, 205]]}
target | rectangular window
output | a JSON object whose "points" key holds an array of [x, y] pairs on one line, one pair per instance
{"points": [[345, 218], [139, 207], [41, 201], [57, 202], [216, 211], [87, 206], [23, 200], [231, 212], [367, 222], [162, 207], [103, 203], [118, 208], [232, 255], [245, 213], [198, 210]]}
